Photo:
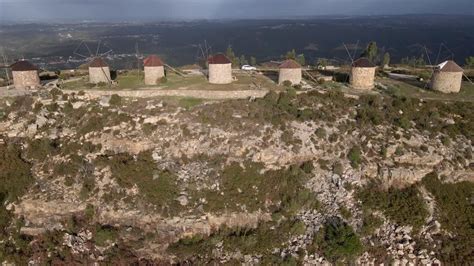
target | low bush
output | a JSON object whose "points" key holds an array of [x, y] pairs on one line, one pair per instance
{"points": [[337, 241], [261, 240], [15, 179], [455, 212], [115, 100], [156, 186], [355, 156], [403, 206]]}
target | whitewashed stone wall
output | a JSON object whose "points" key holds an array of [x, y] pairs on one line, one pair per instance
{"points": [[201, 94], [447, 82], [154, 74], [363, 78], [99, 74], [220, 73], [25, 79], [293, 75]]}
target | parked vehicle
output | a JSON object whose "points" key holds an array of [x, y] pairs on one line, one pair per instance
{"points": [[248, 67]]}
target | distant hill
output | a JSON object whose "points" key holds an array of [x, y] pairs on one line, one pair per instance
{"points": [[177, 42]]}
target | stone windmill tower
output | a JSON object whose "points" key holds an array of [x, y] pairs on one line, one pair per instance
{"points": [[290, 71], [99, 70], [220, 69]]}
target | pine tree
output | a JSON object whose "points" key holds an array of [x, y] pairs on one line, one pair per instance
{"points": [[371, 51], [386, 59], [253, 61]]}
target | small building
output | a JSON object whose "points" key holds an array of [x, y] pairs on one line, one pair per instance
{"points": [[220, 69], [362, 74], [447, 77], [25, 75], [154, 70], [290, 71], [99, 71]]}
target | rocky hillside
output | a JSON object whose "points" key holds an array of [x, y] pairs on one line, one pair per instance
{"points": [[301, 178]]}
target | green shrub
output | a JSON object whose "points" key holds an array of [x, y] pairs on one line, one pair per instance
{"points": [[355, 156], [455, 212], [345, 213], [280, 190], [370, 222], [105, 234], [40, 149], [403, 206], [115, 100], [287, 83], [338, 241], [162, 80], [156, 186], [15, 179], [321, 133], [89, 212], [261, 240]]}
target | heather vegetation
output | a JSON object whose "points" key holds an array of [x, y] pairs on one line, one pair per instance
{"points": [[338, 241], [261, 240], [455, 211], [404, 206], [15, 179]]}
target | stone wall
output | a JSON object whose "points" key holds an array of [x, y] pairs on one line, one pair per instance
{"points": [[447, 82], [99, 74], [363, 78], [201, 94], [291, 74], [154, 74], [25, 79], [220, 73]]}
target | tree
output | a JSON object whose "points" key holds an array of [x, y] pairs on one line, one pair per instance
{"points": [[371, 51], [231, 55], [386, 59], [230, 52], [253, 61], [243, 60], [470, 62], [291, 54], [322, 62], [301, 60]]}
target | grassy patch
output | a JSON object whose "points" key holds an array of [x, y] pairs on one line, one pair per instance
{"points": [[189, 102]]}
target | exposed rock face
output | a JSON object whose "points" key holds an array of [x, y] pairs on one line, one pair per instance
{"points": [[196, 146]]}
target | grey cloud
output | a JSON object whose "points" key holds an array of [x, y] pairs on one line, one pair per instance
{"points": [[194, 9]]}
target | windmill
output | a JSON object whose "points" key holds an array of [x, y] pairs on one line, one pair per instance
{"points": [[99, 71], [4, 58], [203, 52]]}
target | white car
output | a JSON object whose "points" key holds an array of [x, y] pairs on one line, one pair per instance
{"points": [[248, 67]]}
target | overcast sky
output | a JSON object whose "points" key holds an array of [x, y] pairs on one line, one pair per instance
{"points": [[20, 10]]}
